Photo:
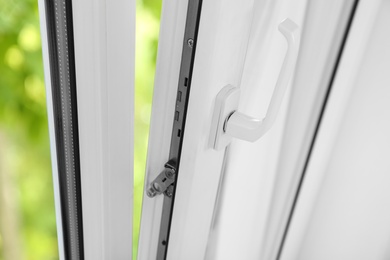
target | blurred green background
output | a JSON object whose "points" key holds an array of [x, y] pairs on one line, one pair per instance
{"points": [[27, 217]]}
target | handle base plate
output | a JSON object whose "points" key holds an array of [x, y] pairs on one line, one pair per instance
{"points": [[226, 103]]}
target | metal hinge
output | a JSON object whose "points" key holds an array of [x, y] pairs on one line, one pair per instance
{"points": [[163, 183]]}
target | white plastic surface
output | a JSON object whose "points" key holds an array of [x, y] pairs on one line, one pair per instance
{"points": [[255, 191], [226, 103], [342, 211], [250, 129], [224, 29], [244, 127], [170, 46], [104, 41]]}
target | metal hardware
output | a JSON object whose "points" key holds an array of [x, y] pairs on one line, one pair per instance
{"points": [[169, 191], [179, 119], [190, 42], [164, 181]]}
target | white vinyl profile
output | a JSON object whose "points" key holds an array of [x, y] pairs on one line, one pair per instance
{"points": [[200, 165], [341, 211], [240, 219], [320, 44], [50, 116], [234, 203], [104, 39], [172, 25], [231, 204], [223, 36]]}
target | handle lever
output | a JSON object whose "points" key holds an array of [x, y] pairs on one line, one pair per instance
{"points": [[228, 122]]}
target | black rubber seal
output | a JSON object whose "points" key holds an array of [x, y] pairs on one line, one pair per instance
{"points": [[63, 84]]}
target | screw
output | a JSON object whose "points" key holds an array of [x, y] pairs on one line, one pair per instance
{"points": [[190, 42], [151, 192], [169, 173], [169, 191]]}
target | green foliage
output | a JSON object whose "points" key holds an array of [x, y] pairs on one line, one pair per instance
{"points": [[23, 120], [147, 30], [23, 123]]}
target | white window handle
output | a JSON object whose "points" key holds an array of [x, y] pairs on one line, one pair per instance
{"points": [[228, 122]]}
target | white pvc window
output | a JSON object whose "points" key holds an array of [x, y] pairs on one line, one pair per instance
{"points": [[240, 202], [102, 34], [235, 203], [341, 213]]}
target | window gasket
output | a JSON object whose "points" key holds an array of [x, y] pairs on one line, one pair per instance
{"points": [[59, 23]]}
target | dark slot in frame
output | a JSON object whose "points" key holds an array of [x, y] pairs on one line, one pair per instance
{"points": [[185, 81], [63, 83], [179, 96], [178, 129]]}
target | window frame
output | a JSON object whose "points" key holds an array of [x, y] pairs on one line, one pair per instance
{"points": [[201, 167], [104, 43], [361, 26]]}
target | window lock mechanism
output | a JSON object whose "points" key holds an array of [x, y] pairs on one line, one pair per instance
{"points": [[163, 183]]}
